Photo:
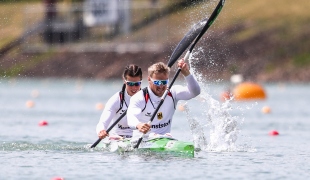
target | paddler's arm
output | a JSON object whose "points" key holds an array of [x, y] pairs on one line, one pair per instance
{"points": [[107, 115], [137, 103], [191, 90], [103, 123]]}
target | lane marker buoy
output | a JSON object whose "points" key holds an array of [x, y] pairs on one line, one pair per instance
{"points": [[43, 123], [58, 178], [99, 106], [266, 110], [181, 107], [29, 104], [273, 133], [248, 91]]}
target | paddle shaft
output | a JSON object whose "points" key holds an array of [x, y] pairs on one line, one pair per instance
{"points": [[109, 129]]}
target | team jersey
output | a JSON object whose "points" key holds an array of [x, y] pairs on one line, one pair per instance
{"points": [[161, 124], [112, 112]]}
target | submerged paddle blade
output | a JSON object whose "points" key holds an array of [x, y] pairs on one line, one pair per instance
{"points": [[138, 143], [95, 144], [186, 41]]}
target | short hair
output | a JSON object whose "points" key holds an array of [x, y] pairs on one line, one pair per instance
{"points": [[132, 70], [159, 67]]}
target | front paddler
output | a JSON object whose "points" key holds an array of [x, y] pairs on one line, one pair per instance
{"points": [[141, 109]]}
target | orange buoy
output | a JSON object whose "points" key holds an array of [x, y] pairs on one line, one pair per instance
{"points": [[29, 104], [273, 133], [248, 91], [99, 106], [266, 110], [181, 107], [43, 123]]}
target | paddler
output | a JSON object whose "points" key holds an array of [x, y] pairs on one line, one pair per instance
{"points": [[117, 105], [141, 109]]}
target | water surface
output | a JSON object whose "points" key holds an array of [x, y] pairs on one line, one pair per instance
{"points": [[29, 151]]}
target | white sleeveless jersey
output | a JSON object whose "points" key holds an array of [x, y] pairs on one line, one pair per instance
{"points": [[109, 116], [161, 124], [163, 119]]}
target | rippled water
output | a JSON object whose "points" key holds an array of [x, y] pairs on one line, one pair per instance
{"points": [[233, 136]]}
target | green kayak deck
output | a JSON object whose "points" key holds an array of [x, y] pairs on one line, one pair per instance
{"points": [[160, 145]]}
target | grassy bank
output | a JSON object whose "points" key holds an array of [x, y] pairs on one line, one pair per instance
{"points": [[263, 15], [284, 21], [275, 32], [11, 21]]}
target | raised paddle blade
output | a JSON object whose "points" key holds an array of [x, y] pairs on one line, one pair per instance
{"points": [[196, 32], [210, 21], [186, 41]]}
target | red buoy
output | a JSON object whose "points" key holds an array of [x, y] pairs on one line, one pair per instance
{"points": [[43, 123], [273, 133], [58, 178]]}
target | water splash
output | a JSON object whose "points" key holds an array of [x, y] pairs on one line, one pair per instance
{"points": [[223, 127], [197, 131]]}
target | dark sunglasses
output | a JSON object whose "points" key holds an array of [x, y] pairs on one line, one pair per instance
{"points": [[160, 82], [130, 83]]}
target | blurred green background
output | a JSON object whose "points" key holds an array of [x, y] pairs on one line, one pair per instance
{"points": [[264, 40]]}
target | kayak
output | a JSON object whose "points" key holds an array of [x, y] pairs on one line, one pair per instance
{"points": [[163, 145]]}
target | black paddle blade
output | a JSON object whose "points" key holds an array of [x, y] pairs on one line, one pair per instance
{"points": [[210, 21], [186, 41], [196, 32]]}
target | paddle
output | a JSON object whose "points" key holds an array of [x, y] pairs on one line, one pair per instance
{"points": [[109, 129], [197, 32], [181, 47]]}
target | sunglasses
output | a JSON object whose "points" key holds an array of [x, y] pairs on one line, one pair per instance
{"points": [[130, 83], [160, 82]]}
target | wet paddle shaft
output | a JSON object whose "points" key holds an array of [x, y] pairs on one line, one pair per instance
{"points": [[109, 129], [199, 30]]}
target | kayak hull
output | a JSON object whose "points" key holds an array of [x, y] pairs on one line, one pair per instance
{"points": [[159, 145]]}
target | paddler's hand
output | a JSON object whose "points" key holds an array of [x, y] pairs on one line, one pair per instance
{"points": [[184, 67], [102, 134], [143, 127]]}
